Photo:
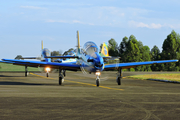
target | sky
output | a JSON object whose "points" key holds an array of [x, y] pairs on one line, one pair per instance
{"points": [[25, 23]]}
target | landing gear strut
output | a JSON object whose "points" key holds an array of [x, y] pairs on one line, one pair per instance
{"points": [[26, 71], [98, 78], [119, 76], [61, 78], [64, 72]]}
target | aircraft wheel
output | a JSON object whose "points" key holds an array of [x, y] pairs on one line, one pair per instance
{"points": [[26, 73], [47, 74], [60, 80], [97, 82], [119, 80]]}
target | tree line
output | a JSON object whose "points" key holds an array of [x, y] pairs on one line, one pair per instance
{"points": [[132, 50]]}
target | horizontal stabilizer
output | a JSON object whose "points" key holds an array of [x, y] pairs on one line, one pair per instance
{"points": [[111, 58], [30, 58], [108, 57], [62, 57]]}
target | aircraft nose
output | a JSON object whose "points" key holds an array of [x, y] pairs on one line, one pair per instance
{"points": [[99, 62]]}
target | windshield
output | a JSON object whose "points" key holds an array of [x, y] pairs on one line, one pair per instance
{"points": [[91, 48]]}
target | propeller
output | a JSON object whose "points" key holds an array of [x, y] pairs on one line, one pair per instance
{"points": [[89, 74]]}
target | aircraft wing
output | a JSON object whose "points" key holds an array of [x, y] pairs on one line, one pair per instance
{"points": [[135, 64], [65, 66]]}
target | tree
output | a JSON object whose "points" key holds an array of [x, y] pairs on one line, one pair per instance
{"points": [[56, 53], [68, 51], [132, 50], [155, 55], [113, 47], [122, 49], [145, 56], [170, 50]]}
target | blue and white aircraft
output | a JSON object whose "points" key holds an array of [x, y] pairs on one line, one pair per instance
{"points": [[87, 58]]}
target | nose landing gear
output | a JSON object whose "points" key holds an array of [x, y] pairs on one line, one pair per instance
{"points": [[97, 81], [98, 78]]}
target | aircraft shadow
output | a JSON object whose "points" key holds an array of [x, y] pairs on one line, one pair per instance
{"points": [[17, 83], [9, 76]]}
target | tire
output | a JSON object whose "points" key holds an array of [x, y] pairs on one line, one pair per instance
{"points": [[47, 75], [60, 80], [26, 74], [119, 81], [97, 82]]}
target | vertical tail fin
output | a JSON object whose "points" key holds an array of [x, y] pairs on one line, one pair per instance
{"points": [[104, 50], [45, 53], [42, 45], [78, 43]]}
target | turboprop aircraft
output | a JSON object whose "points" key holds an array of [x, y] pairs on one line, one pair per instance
{"points": [[87, 58]]}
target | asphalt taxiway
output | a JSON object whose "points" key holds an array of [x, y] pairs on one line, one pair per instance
{"points": [[39, 97]]}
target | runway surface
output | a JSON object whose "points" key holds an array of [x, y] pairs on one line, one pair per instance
{"points": [[38, 97]]}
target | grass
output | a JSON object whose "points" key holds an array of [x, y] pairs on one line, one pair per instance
{"points": [[171, 77], [10, 67]]}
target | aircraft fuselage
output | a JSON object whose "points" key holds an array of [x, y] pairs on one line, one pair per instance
{"points": [[91, 60]]}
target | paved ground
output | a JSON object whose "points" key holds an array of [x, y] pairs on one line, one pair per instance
{"points": [[36, 97]]}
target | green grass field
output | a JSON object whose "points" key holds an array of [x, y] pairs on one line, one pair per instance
{"points": [[171, 77], [10, 67]]}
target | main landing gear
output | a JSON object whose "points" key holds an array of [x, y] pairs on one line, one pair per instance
{"points": [[119, 76], [26, 71], [61, 77]]}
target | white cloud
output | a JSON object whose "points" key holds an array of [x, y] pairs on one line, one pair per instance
{"points": [[53, 21], [144, 25], [32, 7], [102, 16], [70, 22], [76, 21], [173, 26]]}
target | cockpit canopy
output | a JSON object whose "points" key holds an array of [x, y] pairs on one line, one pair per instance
{"points": [[72, 53], [90, 48], [46, 52]]}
